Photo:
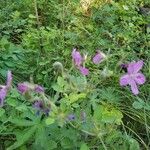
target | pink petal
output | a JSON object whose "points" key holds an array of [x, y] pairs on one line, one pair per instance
{"points": [[124, 80], [3, 93], [134, 87], [84, 71], [134, 67], [39, 89], [9, 79], [77, 58], [97, 58], [73, 52], [22, 88], [140, 78]]}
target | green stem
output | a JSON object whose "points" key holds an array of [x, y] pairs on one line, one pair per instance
{"points": [[138, 137], [105, 148], [38, 26], [87, 132]]}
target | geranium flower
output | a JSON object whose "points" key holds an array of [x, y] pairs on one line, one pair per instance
{"points": [[9, 79], [39, 89], [4, 88], [99, 57], [26, 86], [84, 71], [77, 58], [78, 61], [22, 88], [133, 76], [40, 107], [3, 93]]}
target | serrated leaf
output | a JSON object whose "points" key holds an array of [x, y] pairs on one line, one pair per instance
{"points": [[22, 107], [66, 143], [107, 115], [61, 81], [137, 105], [22, 122], [57, 88], [52, 144], [84, 147], [73, 97], [24, 138], [49, 121], [12, 102]]}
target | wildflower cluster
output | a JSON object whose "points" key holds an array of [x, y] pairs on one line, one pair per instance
{"points": [[79, 61], [133, 77]]}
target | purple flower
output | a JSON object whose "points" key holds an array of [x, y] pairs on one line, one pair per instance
{"points": [[99, 57], [9, 79], [46, 111], [22, 88], [4, 89], [78, 61], [39, 89], [124, 66], [77, 58], [3, 93], [39, 105], [84, 70], [133, 76], [71, 117]]}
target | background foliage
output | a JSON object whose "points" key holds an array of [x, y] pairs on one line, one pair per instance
{"points": [[36, 34]]}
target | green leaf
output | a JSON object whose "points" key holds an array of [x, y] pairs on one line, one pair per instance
{"points": [[14, 93], [57, 88], [147, 107], [73, 97], [66, 143], [12, 102], [52, 144], [9, 64], [49, 121], [2, 111], [134, 145], [109, 94], [23, 139], [42, 140], [22, 108], [84, 147], [32, 16], [22, 122], [107, 115], [137, 105], [61, 81]]}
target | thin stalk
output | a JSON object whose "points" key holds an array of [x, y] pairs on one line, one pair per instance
{"points": [[84, 131], [124, 129], [146, 126], [99, 136], [105, 148], [63, 24], [137, 137], [38, 26]]}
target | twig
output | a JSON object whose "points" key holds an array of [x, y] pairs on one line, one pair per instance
{"points": [[38, 26]]}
